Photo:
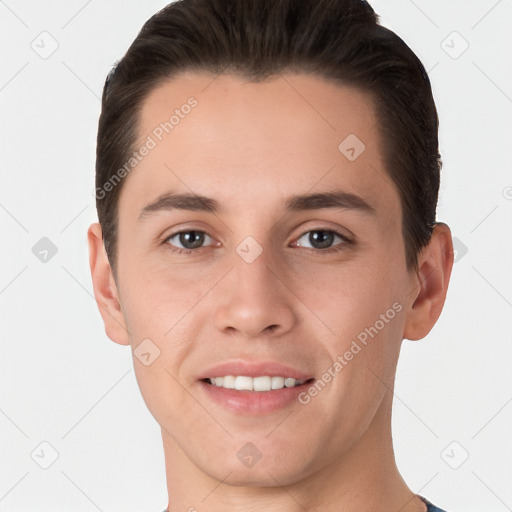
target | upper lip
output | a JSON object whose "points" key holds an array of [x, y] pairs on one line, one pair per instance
{"points": [[253, 369]]}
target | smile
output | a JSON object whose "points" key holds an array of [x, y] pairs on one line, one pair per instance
{"points": [[245, 383]]}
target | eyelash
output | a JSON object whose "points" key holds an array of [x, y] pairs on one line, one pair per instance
{"points": [[336, 248]]}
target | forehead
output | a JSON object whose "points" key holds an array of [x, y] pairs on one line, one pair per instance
{"points": [[254, 143]]}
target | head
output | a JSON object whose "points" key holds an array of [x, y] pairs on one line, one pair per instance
{"points": [[275, 118]]}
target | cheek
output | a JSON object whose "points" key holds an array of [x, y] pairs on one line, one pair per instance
{"points": [[352, 296], [158, 311], [362, 306], [155, 298]]}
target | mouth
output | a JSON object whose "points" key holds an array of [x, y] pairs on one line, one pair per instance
{"points": [[264, 383], [254, 387]]}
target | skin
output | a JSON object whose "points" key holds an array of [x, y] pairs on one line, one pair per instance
{"points": [[250, 146]]}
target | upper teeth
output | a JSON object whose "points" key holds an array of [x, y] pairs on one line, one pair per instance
{"points": [[264, 383]]}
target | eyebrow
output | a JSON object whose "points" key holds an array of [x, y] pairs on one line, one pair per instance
{"points": [[335, 199]]}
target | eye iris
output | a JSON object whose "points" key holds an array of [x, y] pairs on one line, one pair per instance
{"points": [[191, 239], [321, 239]]}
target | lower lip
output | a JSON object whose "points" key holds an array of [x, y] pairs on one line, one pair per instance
{"points": [[253, 402]]}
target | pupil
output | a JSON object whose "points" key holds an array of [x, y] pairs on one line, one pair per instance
{"points": [[321, 239], [187, 239]]}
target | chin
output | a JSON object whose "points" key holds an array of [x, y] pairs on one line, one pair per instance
{"points": [[265, 476]]}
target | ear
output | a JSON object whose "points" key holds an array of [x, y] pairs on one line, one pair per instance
{"points": [[105, 289], [430, 283]]}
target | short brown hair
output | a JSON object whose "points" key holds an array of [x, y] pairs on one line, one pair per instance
{"points": [[333, 39]]}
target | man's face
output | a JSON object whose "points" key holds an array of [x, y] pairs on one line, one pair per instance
{"points": [[251, 287]]}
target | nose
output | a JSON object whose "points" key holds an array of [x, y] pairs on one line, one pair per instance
{"points": [[254, 300]]}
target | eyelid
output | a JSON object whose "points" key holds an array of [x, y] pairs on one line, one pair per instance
{"points": [[321, 225], [184, 228]]}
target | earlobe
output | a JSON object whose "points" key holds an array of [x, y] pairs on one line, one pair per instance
{"points": [[435, 264], [105, 289]]}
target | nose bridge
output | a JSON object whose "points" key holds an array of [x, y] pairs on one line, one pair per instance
{"points": [[253, 271]]}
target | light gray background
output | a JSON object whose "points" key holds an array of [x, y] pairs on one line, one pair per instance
{"points": [[63, 382]]}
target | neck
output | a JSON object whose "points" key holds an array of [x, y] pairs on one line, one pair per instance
{"points": [[364, 478]]}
